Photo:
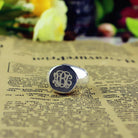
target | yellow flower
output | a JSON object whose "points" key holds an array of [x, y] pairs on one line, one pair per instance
{"points": [[52, 24], [41, 5]]}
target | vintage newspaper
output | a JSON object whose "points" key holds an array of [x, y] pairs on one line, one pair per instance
{"points": [[106, 108]]}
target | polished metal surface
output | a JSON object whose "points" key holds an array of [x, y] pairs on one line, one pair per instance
{"points": [[64, 78]]}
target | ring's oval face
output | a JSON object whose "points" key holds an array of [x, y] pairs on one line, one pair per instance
{"points": [[63, 79]]}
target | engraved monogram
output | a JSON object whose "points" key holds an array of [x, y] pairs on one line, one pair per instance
{"points": [[62, 79]]}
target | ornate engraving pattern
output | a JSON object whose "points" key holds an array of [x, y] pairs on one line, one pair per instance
{"points": [[62, 79]]}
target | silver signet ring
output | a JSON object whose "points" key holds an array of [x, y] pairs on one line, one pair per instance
{"points": [[64, 78]]}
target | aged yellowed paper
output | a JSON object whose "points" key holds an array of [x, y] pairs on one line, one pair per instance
{"points": [[106, 108]]}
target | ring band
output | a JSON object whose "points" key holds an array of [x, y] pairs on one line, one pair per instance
{"points": [[64, 78]]}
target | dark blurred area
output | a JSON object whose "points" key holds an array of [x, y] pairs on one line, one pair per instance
{"points": [[101, 17], [81, 16]]}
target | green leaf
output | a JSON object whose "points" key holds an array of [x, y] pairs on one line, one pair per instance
{"points": [[99, 12], [108, 6], [6, 23], [132, 25], [10, 14], [9, 4], [11, 1], [1, 4]]}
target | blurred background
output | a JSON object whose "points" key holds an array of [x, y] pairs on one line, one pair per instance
{"points": [[103, 17], [108, 18]]}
